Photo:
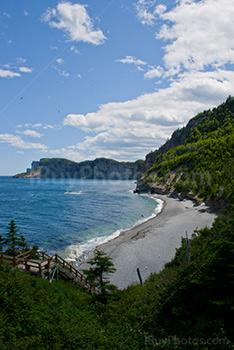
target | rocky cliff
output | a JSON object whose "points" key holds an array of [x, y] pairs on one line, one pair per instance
{"points": [[100, 168], [198, 161], [177, 139]]}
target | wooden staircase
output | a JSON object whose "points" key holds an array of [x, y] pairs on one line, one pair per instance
{"points": [[48, 267]]}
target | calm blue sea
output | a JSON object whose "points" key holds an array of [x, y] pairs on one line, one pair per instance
{"points": [[71, 216]]}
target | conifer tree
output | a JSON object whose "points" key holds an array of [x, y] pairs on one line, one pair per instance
{"points": [[97, 276], [14, 240]]}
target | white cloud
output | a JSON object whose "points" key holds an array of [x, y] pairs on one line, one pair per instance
{"points": [[130, 129], [147, 11], [63, 73], [25, 13], [132, 60], [70, 153], [17, 141], [199, 42], [21, 60], [75, 21], [31, 133], [29, 125], [8, 74], [60, 61], [25, 70], [154, 72], [74, 49], [39, 125], [200, 34]]}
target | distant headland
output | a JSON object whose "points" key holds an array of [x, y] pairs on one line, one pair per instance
{"points": [[100, 168]]}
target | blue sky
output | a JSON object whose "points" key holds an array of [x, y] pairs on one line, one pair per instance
{"points": [[107, 78]]}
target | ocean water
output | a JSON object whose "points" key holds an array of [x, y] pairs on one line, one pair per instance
{"points": [[71, 216]]}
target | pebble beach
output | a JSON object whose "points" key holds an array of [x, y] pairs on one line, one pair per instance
{"points": [[153, 243]]}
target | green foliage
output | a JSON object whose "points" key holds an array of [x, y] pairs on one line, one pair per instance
{"points": [[14, 241], [187, 300], [188, 305], [204, 165], [97, 275], [199, 303]]}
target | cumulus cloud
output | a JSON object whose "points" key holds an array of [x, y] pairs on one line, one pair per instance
{"points": [[31, 133], [200, 34], [70, 152], [130, 129], [74, 20], [6, 73], [17, 141], [198, 46], [154, 72]]}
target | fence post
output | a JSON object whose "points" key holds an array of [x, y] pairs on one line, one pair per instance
{"points": [[139, 275], [188, 246]]}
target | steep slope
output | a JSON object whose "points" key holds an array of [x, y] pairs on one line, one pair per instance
{"points": [[100, 168], [202, 167], [177, 139]]}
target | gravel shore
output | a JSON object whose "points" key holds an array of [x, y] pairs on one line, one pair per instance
{"points": [[153, 243]]}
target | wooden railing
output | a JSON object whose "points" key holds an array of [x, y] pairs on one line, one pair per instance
{"points": [[41, 263], [59, 260]]}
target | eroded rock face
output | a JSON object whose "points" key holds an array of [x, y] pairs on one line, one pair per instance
{"points": [[177, 139], [100, 168]]}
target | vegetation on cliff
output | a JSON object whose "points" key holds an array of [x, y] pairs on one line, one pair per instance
{"points": [[188, 305], [100, 168], [203, 166]]}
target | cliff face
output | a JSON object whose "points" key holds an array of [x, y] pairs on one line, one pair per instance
{"points": [[198, 161], [177, 139], [100, 168]]}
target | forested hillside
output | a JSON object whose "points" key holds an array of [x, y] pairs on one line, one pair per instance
{"points": [[203, 166], [188, 305]]}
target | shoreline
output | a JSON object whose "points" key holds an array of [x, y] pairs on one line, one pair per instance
{"points": [[152, 243]]}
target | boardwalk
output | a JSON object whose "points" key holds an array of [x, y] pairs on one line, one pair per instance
{"points": [[48, 267]]}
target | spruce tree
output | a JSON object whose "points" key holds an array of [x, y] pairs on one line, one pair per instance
{"points": [[14, 240], [97, 276]]}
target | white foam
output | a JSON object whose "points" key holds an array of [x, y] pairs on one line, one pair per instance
{"points": [[80, 252], [74, 192]]}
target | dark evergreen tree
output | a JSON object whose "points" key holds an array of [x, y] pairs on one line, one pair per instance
{"points": [[23, 244], [97, 276], [14, 241]]}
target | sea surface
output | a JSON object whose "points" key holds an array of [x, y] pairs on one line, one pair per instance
{"points": [[71, 216]]}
